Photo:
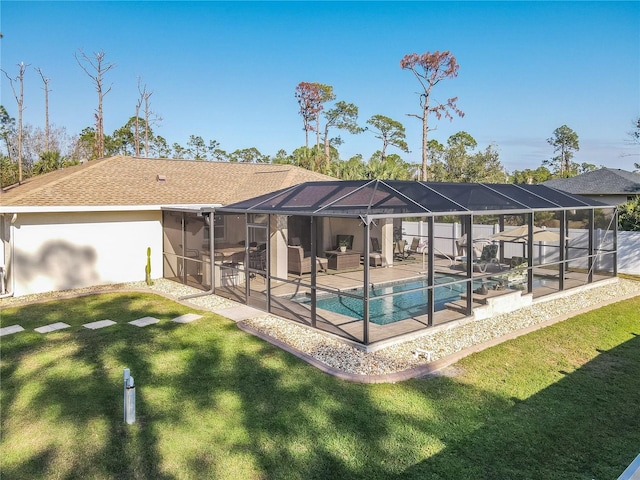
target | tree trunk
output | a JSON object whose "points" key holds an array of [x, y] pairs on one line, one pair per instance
{"points": [[425, 130]]}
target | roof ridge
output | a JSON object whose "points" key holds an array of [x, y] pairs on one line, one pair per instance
{"points": [[83, 167]]}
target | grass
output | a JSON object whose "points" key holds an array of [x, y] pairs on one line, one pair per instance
{"points": [[214, 402]]}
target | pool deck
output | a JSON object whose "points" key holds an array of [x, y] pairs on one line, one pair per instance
{"points": [[352, 329]]}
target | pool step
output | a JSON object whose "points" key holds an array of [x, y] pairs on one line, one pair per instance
{"points": [[486, 299], [457, 306]]}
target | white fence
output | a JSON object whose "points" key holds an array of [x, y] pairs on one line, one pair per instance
{"points": [[445, 235]]}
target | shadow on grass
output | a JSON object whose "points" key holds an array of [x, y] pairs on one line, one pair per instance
{"points": [[585, 426], [72, 380], [213, 402]]}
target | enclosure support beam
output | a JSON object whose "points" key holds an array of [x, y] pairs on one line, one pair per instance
{"points": [[430, 273], [563, 248], [365, 289], [314, 271]]}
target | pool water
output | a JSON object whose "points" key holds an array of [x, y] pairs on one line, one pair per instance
{"points": [[383, 311]]}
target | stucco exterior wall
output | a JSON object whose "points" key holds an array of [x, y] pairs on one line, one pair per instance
{"points": [[59, 251]]}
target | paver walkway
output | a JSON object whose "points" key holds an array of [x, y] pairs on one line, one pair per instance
{"points": [[52, 327], [10, 329], [140, 322]]}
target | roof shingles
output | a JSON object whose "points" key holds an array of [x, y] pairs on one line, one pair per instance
{"points": [[134, 181]]}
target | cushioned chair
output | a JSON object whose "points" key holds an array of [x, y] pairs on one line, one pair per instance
{"points": [[297, 263], [375, 255], [401, 252], [488, 256]]}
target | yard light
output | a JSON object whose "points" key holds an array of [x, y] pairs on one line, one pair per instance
{"points": [[129, 398]]}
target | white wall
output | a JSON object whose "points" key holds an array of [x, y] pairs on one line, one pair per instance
{"points": [[59, 251]]}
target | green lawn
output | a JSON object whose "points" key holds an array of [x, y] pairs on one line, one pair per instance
{"points": [[214, 402]]}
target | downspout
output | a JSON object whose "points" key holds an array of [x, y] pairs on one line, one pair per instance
{"points": [[209, 221], [11, 257]]}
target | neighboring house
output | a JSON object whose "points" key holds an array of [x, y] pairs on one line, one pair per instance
{"points": [[91, 224], [612, 186]]}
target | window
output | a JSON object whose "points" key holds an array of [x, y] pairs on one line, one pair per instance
{"points": [[218, 227]]}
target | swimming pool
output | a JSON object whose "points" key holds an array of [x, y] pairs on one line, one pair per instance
{"points": [[383, 311]]}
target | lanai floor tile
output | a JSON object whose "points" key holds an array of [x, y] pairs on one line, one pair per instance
{"points": [[52, 327], [99, 324], [144, 321], [10, 329], [186, 318]]}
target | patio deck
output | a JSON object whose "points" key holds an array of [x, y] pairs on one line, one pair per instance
{"points": [[351, 329]]}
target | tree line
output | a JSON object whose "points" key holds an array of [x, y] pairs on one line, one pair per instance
{"points": [[28, 150]]}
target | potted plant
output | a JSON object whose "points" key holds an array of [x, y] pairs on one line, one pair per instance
{"points": [[343, 245]]}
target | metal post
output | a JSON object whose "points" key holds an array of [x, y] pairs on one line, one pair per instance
{"points": [[314, 271], [563, 240], [530, 253], [129, 398], [430, 273], [365, 290]]}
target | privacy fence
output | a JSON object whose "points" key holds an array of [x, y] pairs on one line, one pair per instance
{"points": [[445, 235]]}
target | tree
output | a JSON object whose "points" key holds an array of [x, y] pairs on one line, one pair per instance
{"points": [[197, 148], [19, 96], [342, 116], [310, 102], [629, 215], [429, 69], [45, 81], [459, 162], [179, 151], [390, 131], [528, 176], [7, 130], [353, 169], [564, 143], [248, 155], [635, 139], [96, 68], [149, 118], [48, 162], [391, 167], [160, 147]]}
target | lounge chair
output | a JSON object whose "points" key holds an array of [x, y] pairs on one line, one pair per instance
{"points": [[488, 256], [299, 264]]}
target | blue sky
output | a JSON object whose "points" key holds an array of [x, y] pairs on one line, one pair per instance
{"points": [[228, 71]]}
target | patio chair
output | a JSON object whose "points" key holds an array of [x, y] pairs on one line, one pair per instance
{"points": [[401, 252], [375, 255], [488, 256], [299, 264]]}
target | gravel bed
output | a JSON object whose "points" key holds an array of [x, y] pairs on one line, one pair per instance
{"points": [[392, 359]]}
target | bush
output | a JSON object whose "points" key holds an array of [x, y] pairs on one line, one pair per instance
{"points": [[629, 215]]}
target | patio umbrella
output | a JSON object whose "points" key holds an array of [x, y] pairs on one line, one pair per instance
{"points": [[521, 233]]}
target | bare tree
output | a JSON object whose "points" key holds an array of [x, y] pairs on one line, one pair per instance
{"points": [[19, 96], [96, 67], [429, 69], [149, 117], [46, 81]]}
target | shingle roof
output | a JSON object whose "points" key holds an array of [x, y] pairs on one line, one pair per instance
{"points": [[605, 181], [134, 181]]}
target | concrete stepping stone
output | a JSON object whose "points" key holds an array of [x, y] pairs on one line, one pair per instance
{"points": [[99, 324], [11, 329], [186, 318], [144, 321], [239, 313], [52, 327]]}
